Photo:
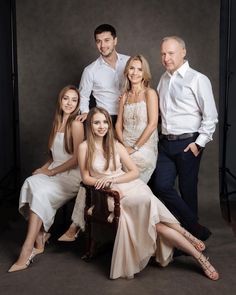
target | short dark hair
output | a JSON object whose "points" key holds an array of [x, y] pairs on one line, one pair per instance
{"points": [[105, 28]]}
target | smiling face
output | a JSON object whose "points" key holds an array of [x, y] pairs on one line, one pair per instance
{"points": [[172, 55], [100, 125], [105, 43], [69, 101], [135, 72]]}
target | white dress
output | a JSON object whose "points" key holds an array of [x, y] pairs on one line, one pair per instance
{"points": [[136, 239], [134, 122], [45, 194]]}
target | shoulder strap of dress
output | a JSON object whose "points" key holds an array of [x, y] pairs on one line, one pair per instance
{"points": [[145, 94], [126, 97]]}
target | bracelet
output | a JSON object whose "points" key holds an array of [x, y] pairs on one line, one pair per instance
{"points": [[135, 147]]}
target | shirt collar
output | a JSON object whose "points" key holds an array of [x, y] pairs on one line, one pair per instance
{"points": [[181, 70], [102, 61]]}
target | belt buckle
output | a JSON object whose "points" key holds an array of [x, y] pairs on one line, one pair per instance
{"points": [[171, 137], [187, 135]]}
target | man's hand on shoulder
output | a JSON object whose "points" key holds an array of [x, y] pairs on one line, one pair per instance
{"points": [[81, 117]]}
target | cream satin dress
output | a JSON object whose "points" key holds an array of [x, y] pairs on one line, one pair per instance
{"points": [[45, 194], [136, 239]]}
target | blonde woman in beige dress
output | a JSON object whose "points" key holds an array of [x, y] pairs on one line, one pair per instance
{"points": [[136, 125], [146, 227]]}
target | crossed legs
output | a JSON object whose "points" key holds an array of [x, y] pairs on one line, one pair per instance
{"points": [[178, 237]]}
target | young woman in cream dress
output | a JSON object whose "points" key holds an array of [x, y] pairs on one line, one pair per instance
{"points": [[56, 182], [146, 227]]}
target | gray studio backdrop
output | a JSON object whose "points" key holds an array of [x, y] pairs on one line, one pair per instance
{"points": [[55, 42]]}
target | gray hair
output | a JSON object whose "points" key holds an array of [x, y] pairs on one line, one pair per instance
{"points": [[176, 38]]}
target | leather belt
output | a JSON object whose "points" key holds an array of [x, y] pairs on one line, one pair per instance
{"points": [[178, 137]]}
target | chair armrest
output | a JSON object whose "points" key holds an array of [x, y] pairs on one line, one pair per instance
{"points": [[97, 198]]}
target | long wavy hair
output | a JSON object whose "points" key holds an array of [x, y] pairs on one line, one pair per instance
{"points": [[58, 118], [108, 140], [146, 72]]}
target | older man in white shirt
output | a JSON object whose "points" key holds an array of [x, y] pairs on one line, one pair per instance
{"points": [[103, 78], [188, 120]]}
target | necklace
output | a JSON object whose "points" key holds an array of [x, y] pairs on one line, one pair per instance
{"points": [[133, 96], [132, 100]]}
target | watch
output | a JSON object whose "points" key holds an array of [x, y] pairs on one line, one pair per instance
{"points": [[135, 147]]}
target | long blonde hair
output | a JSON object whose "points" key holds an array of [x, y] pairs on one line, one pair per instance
{"points": [[58, 118], [108, 140], [146, 71]]}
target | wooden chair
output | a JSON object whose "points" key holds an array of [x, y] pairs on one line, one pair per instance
{"points": [[98, 218]]}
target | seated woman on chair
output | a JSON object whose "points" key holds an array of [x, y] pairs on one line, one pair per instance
{"points": [[56, 182], [136, 127], [146, 227]]}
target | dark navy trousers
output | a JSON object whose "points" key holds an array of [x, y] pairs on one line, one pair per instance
{"points": [[173, 163]]}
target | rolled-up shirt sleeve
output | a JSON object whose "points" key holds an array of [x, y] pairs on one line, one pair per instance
{"points": [[206, 102], [85, 89]]}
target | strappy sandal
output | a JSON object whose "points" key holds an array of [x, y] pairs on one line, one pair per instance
{"points": [[208, 269], [198, 244]]}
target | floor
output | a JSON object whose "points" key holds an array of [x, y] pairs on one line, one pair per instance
{"points": [[60, 269]]}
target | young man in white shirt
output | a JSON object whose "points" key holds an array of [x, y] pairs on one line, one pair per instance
{"points": [[188, 116], [104, 77]]}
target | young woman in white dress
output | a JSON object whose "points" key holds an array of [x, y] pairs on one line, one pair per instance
{"points": [[136, 125], [146, 227], [56, 182]]}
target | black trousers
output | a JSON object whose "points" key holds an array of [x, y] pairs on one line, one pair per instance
{"points": [[172, 162], [113, 119]]}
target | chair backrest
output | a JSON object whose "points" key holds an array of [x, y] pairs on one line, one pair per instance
{"points": [[98, 216]]}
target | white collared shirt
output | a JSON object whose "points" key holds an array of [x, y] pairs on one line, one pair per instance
{"points": [[187, 104], [104, 82]]}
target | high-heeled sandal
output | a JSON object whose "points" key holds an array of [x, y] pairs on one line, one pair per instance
{"points": [[45, 239], [197, 244], [16, 267], [208, 269], [66, 238]]}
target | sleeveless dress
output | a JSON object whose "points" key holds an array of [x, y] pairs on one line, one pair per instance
{"points": [[45, 194], [136, 239], [134, 122]]}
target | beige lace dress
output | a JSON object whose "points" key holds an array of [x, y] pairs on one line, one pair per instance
{"points": [[134, 122]]}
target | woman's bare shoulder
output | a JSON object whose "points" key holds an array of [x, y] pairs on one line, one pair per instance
{"points": [[151, 91], [77, 124], [83, 145]]}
